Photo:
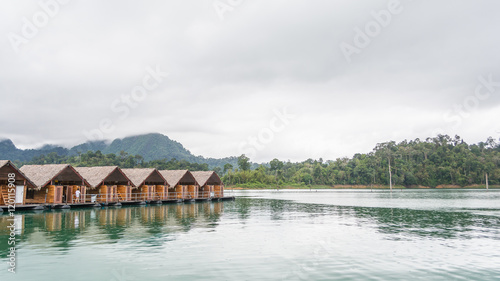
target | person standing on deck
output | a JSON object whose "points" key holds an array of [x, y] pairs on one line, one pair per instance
{"points": [[77, 195]]}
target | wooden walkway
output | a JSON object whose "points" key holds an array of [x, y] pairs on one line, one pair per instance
{"points": [[33, 207]]}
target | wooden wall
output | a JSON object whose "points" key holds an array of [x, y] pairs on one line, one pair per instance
{"points": [[171, 193], [123, 192], [38, 197], [105, 193], [180, 191], [192, 192], [162, 191], [54, 194], [4, 195], [83, 193], [144, 192], [219, 191]]}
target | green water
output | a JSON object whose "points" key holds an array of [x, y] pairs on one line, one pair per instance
{"points": [[268, 235]]}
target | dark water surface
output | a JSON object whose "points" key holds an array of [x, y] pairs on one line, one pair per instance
{"points": [[268, 235]]}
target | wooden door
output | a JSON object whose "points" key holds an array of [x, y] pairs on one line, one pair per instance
{"points": [[19, 194], [58, 193], [69, 194]]}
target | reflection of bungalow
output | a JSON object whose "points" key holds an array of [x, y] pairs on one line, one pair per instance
{"points": [[124, 216], [182, 184], [13, 184], [54, 184], [161, 213], [151, 185], [53, 221], [109, 183], [107, 217], [210, 184]]}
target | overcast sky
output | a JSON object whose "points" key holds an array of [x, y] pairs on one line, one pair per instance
{"points": [[286, 79]]}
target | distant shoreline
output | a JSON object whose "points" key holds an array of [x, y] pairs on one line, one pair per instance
{"points": [[239, 187]]}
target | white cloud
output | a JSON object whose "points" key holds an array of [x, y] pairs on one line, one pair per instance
{"points": [[226, 77]]}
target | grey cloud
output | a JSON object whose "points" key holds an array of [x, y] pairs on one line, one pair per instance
{"points": [[228, 76]]}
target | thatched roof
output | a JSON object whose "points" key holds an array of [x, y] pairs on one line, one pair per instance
{"points": [[207, 177], [147, 175], [42, 175], [7, 167], [174, 177], [97, 176]]}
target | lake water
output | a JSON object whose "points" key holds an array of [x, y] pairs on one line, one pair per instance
{"points": [[268, 235]]}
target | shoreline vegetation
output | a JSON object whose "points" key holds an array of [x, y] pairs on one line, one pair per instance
{"points": [[377, 187], [439, 162]]}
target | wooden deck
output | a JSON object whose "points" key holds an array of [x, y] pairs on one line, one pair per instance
{"points": [[84, 205], [32, 207], [28, 207], [171, 201], [140, 202]]}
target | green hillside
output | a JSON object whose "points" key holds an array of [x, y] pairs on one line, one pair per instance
{"points": [[150, 146]]}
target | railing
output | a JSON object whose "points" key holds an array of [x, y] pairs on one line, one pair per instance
{"points": [[209, 195], [138, 196]]}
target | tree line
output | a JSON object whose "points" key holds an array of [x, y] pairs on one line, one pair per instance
{"points": [[442, 160], [122, 160]]}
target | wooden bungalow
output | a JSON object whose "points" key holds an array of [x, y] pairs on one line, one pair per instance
{"points": [[182, 184], [109, 183], [54, 184], [211, 185], [151, 185], [13, 184]]}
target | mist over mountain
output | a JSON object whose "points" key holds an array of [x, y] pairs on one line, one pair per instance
{"points": [[152, 146]]}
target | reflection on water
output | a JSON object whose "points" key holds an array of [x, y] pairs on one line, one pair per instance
{"points": [[423, 223], [60, 228], [432, 224], [286, 235]]}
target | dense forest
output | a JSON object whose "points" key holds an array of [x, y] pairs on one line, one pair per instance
{"points": [[123, 160], [149, 146], [442, 160]]}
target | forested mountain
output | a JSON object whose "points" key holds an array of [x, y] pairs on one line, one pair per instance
{"points": [[122, 159], [442, 160], [10, 152], [149, 146]]}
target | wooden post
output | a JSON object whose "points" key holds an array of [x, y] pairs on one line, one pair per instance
{"points": [[390, 175], [487, 187]]}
